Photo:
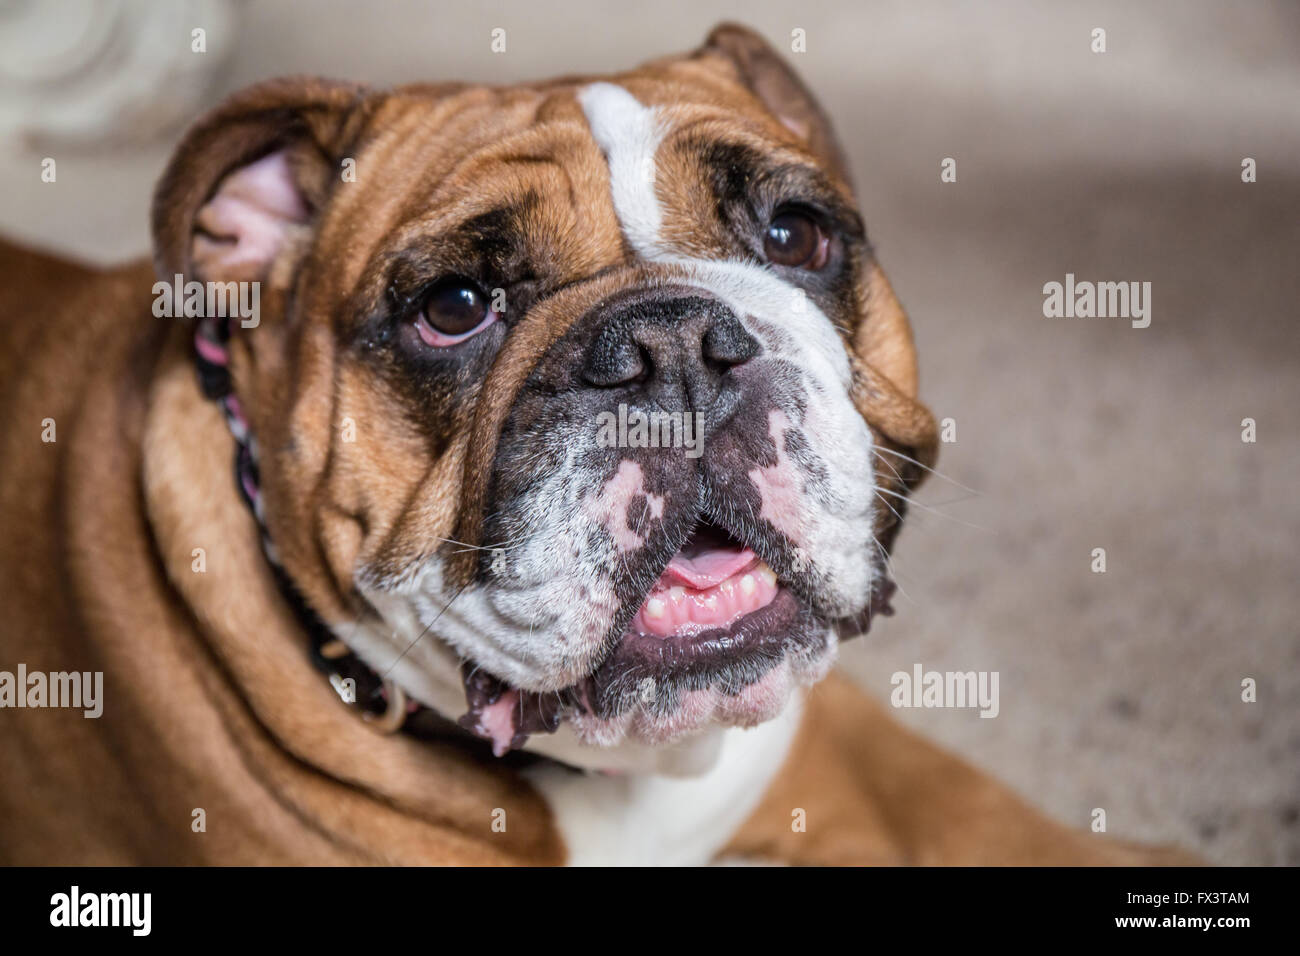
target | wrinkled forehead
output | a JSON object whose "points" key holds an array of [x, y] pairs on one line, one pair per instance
{"points": [[586, 173]]}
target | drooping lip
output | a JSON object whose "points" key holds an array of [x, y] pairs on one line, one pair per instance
{"points": [[754, 626], [506, 716], [758, 638]]}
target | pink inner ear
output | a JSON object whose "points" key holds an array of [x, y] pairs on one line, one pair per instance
{"points": [[799, 128], [248, 219]]}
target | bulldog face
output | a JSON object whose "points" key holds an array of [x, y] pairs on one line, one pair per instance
{"points": [[581, 407]]}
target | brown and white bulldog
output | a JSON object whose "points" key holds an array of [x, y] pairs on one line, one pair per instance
{"points": [[466, 294]]}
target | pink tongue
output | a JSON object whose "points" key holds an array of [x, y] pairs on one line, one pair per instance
{"points": [[706, 567]]}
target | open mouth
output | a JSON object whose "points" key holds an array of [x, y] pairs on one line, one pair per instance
{"points": [[717, 614], [716, 619], [708, 585]]}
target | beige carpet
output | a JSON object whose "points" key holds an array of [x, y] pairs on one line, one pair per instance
{"points": [[1121, 690]]}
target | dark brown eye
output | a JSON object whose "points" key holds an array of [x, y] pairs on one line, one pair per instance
{"points": [[453, 311], [794, 239]]}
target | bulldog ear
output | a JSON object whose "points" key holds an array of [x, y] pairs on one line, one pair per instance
{"points": [[779, 88], [883, 361], [249, 175]]}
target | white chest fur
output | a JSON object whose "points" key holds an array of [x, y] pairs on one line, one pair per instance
{"points": [[651, 820]]}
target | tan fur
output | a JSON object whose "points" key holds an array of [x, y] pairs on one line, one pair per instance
{"points": [[875, 794], [210, 699]]}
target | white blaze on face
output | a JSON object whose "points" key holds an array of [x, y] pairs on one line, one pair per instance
{"points": [[629, 135]]}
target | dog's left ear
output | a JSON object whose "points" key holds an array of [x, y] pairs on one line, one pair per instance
{"points": [[779, 88], [882, 352], [249, 176], [883, 361]]}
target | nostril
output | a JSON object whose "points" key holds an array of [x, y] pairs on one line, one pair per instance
{"points": [[616, 361], [721, 367], [727, 344], [677, 348]]}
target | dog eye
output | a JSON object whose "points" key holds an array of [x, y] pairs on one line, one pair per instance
{"points": [[794, 239], [453, 311]]}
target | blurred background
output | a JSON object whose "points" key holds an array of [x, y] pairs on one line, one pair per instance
{"points": [[1120, 691]]}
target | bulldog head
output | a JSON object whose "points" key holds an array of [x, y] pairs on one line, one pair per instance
{"points": [[581, 407]]}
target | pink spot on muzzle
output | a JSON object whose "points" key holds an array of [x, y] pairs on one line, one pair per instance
{"points": [[610, 507], [780, 486]]}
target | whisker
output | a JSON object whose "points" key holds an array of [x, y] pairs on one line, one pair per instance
{"points": [[880, 493], [912, 502], [937, 504], [949, 501], [938, 474], [458, 593], [465, 545], [890, 465], [889, 567]]}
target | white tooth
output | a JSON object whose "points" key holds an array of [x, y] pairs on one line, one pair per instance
{"points": [[767, 574], [747, 585], [711, 602], [655, 607], [676, 594]]}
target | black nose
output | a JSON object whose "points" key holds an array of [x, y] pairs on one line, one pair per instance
{"points": [[676, 349]]}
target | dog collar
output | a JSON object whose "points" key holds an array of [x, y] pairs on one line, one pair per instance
{"points": [[381, 701]]}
